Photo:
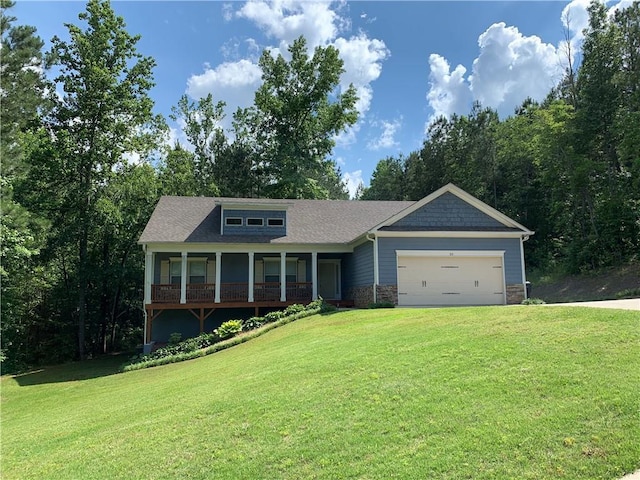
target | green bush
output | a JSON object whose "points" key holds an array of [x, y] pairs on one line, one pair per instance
{"points": [[533, 301], [252, 323], [273, 316], [228, 329], [628, 293], [293, 309], [175, 338], [382, 305]]}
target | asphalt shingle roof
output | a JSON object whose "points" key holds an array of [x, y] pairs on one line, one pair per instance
{"points": [[197, 220]]}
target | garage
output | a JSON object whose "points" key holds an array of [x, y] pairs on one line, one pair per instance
{"points": [[450, 278]]}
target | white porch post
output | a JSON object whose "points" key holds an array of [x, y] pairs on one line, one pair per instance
{"points": [[148, 278], [283, 276], [218, 276], [183, 278], [314, 275], [251, 276]]}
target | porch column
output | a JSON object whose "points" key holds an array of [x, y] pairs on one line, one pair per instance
{"points": [[183, 278], [251, 276], [314, 275], [283, 276], [148, 276], [218, 276]]}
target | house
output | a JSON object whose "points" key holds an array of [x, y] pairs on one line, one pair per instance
{"points": [[208, 257]]}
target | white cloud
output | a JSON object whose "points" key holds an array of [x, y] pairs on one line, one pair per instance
{"points": [[233, 82], [511, 67], [387, 137], [286, 20], [352, 180], [448, 92]]}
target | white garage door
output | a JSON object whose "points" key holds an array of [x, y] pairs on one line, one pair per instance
{"points": [[454, 279]]}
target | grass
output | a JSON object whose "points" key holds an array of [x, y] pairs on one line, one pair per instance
{"points": [[483, 393]]}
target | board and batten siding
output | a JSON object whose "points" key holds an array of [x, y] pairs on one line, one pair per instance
{"points": [[245, 229], [446, 211], [387, 253], [361, 264]]}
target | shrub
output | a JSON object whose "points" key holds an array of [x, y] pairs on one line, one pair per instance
{"points": [[228, 329], [175, 338], [293, 309], [628, 293], [273, 316], [533, 301], [382, 305], [252, 323]]}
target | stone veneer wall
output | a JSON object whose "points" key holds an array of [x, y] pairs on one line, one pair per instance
{"points": [[515, 294], [361, 296], [387, 293]]}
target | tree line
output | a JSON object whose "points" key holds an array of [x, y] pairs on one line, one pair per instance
{"points": [[84, 161], [567, 167]]}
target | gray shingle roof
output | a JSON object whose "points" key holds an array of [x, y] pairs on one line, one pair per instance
{"points": [[197, 220]]}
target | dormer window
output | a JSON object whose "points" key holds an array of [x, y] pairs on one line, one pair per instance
{"points": [[255, 222], [233, 221], [275, 222]]}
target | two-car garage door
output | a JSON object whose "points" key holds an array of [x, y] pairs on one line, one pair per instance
{"points": [[450, 278]]}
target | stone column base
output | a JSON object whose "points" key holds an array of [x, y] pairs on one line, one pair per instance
{"points": [[361, 296], [387, 294], [515, 294]]}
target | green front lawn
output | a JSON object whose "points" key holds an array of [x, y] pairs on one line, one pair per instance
{"points": [[482, 393]]}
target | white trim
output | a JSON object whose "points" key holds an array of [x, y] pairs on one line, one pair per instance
{"points": [[261, 224], [278, 219], [267, 248], [183, 277], [524, 273], [251, 276], [446, 234], [235, 205], [218, 276], [462, 195], [314, 276], [226, 222], [148, 278], [449, 253], [283, 276]]}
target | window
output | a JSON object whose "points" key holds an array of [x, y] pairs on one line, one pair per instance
{"points": [[275, 222], [255, 222], [233, 221], [197, 271], [272, 270], [175, 272]]}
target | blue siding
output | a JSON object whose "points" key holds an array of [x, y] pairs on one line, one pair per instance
{"points": [[255, 230], [362, 265], [387, 253], [446, 211]]}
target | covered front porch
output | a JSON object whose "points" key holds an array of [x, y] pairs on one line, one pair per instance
{"points": [[201, 282]]}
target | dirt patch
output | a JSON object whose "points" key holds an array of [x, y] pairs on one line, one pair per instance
{"points": [[605, 285]]}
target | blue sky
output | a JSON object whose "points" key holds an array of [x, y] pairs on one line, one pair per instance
{"points": [[410, 61]]}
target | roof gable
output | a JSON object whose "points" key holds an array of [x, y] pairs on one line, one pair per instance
{"points": [[451, 208]]}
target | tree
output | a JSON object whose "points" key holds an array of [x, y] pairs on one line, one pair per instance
{"points": [[294, 122], [387, 181], [104, 117], [22, 101]]}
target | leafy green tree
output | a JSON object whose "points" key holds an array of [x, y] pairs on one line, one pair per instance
{"points": [[177, 173], [22, 100], [294, 121], [104, 117], [202, 127], [387, 181]]}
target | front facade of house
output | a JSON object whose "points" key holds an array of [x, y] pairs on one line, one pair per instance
{"points": [[209, 259]]}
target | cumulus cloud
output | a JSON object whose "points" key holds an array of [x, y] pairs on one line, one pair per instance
{"points": [[233, 82], [387, 137], [352, 180], [511, 67], [448, 93]]}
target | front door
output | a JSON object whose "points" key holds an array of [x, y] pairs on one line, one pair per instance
{"points": [[329, 279]]}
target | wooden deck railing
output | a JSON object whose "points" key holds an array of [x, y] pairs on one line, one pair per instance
{"points": [[231, 292]]}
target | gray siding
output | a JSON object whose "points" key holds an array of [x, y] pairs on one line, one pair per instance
{"points": [[447, 211], [255, 230], [387, 253], [362, 265]]}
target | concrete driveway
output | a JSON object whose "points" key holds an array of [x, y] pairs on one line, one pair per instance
{"points": [[627, 304]]}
